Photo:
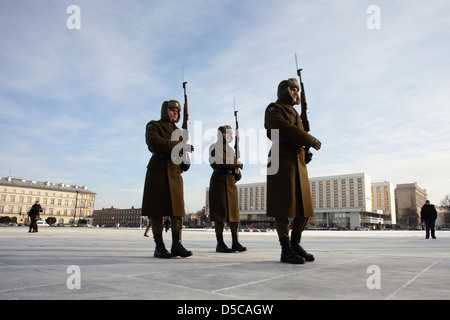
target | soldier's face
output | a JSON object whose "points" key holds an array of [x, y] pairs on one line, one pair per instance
{"points": [[173, 114], [294, 93], [229, 136]]}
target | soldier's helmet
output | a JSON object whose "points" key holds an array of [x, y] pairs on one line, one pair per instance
{"points": [[284, 94], [221, 130], [165, 109]]}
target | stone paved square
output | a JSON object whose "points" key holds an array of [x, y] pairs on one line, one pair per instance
{"points": [[119, 264]]}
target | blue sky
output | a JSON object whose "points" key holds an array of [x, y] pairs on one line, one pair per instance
{"points": [[74, 103]]}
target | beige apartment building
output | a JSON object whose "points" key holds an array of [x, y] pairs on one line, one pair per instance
{"points": [[64, 202], [409, 199]]}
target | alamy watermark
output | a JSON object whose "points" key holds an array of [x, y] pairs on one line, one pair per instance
{"points": [[374, 280], [373, 22], [254, 147], [74, 280], [73, 22]]}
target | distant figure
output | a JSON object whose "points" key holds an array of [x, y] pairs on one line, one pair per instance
{"points": [[34, 216], [148, 228], [428, 214], [167, 224]]}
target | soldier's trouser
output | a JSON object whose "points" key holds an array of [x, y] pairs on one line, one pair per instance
{"points": [[220, 224], [157, 225], [282, 225]]}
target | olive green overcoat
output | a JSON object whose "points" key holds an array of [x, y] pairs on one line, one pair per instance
{"points": [[163, 189], [288, 190], [223, 195]]}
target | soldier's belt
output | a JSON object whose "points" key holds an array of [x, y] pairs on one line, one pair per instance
{"points": [[224, 171], [297, 148], [160, 155]]}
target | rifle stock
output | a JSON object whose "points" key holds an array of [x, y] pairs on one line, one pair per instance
{"points": [[304, 114], [184, 126]]}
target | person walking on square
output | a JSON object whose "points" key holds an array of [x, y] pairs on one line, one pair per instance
{"points": [[428, 215], [223, 196], [167, 224], [34, 216], [163, 189], [288, 189], [149, 226]]}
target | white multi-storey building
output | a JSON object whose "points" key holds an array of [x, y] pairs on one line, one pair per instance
{"points": [[341, 201], [383, 195], [252, 204]]}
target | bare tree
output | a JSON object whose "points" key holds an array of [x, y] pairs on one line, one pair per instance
{"points": [[445, 206]]}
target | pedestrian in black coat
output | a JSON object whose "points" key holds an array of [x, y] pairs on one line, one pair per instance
{"points": [[34, 216], [428, 214]]}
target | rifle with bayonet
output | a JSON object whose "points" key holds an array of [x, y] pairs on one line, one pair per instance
{"points": [[237, 171], [186, 161], [304, 112]]}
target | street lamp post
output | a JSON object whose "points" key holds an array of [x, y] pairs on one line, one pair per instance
{"points": [[76, 204]]}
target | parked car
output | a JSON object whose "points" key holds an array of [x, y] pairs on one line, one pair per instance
{"points": [[41, 223]]}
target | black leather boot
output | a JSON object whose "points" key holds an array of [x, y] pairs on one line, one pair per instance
{"points": [[287, 254], [236, 246], [160, 248], [298, 249], [177, 247], [221, 246]]}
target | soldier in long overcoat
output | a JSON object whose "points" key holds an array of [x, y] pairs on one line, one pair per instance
{"points": [[163, 189], [223, 196], [288, 189]]}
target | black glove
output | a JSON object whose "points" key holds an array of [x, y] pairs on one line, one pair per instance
{"points": [[316, 144], [237, 174], [189, 148], [308, 157], [184, 166], [186, 148]]}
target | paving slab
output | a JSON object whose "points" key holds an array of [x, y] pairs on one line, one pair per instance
{"points": [[119, 264]]}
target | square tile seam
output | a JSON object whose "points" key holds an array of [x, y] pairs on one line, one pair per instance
{"points": [[416, 277]]}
